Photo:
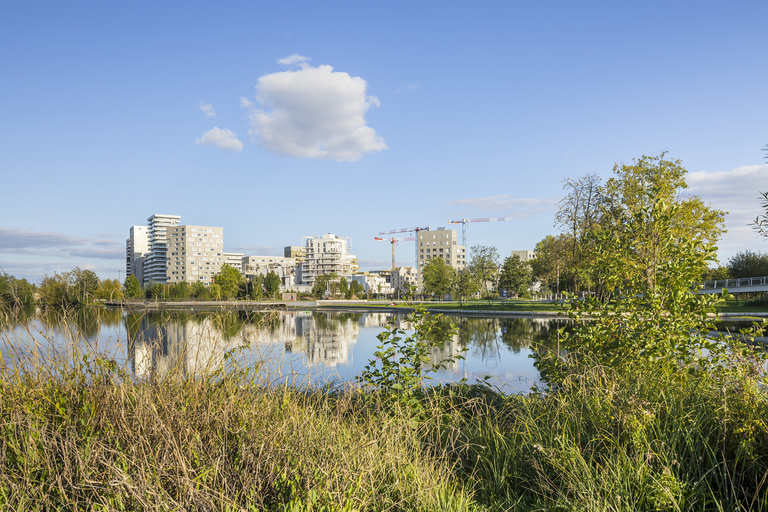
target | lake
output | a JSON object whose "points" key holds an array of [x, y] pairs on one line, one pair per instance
{"points": [[301, 346]]}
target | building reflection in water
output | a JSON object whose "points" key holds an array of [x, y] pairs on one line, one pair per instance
{"points": [[295, 341]]}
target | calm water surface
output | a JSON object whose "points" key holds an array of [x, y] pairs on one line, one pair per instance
{"points": [[301, 345]]}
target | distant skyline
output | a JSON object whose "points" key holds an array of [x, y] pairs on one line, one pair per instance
{"points": [[282, 120]]}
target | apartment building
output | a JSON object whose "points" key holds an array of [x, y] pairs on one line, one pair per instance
{"points": [[156, 260], [194, 253], [136, 249], [328, 254], [285, 268], [440, 243]]}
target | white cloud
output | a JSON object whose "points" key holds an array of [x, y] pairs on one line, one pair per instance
{"points": [[294, 59], [518, 207], [314, 112], [737, 192], [225, 139], [207, 109], [245, 103]]}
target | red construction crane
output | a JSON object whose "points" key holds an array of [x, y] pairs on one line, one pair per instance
{"points": [[407, 230], [464, 223], [394, 241]]}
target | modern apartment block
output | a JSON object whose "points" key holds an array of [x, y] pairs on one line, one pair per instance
{"points": [[440, 243], [285, 268], [326, 255], [402, 278], [194, 254], [294, 251], [136, 249], [156, 261]]}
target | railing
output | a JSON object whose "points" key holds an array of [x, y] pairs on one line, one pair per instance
{"points": [[743, 282]]}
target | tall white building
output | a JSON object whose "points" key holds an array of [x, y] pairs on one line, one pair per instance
{"points": [[326, 255], [136, 249], [156, 261]]}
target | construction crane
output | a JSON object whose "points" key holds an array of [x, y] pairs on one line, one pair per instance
{"points": [[407, 230], [394, 241], [464, 223]]}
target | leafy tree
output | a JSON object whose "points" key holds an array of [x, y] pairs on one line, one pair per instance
{"points": [[748, 264], [133, 287], [272, 284], [228, 279], [180, 290], [257, 287], [82, 285], [344, 288], [215, 291], [53, 289], [652, 315], [718, 273], [110, 289], [515, 275], [484, 267], [200, 291], [16, 292], [464, 284], [155, 290], [553, 264], [437, 277], [322, 284], [355, 288], [578, 214]]}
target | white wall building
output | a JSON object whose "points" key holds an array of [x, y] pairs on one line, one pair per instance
{"points": [[328, 254], [285, 268], [136, 249], [156, 261], [524, 255], [372, 283]]}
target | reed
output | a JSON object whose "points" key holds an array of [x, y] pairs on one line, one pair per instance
{"points": [[79, 431]]}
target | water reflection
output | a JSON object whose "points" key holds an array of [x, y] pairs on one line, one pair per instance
{"points": [[312, 344]]}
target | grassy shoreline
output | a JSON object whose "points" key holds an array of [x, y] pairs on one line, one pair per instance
{"points": [[79, 432]]}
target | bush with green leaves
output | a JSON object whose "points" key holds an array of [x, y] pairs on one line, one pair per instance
{"points": [[402, 362]]}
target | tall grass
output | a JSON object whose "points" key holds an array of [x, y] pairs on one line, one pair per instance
{"points": [[78, 431]]}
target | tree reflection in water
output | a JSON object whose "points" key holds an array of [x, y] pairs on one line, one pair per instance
{"points": [[326, 343]]}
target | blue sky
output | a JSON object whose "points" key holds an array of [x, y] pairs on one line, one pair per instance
{"points": [[278, 120]]}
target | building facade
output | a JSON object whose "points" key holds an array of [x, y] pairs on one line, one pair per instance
{"points": [[328, 254], [136, 249], [195, 254], [285, 268], [156, 261], [440, 243]]}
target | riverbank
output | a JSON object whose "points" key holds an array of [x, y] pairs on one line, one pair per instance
{"points": [[508, 308]]}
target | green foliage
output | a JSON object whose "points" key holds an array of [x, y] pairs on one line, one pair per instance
{"points": [[437, 277], [484, 267], [76, 287], [748, 264], [402, 361], [323, 284], [355, 288], [652, 315], [16, 292], [515, 276], [109, 289], [133, 287], [760, 224], [272, 284], [464, 285], [228, 278]]}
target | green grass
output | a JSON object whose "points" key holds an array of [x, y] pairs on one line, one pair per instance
{"points": [[77, 432]]}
